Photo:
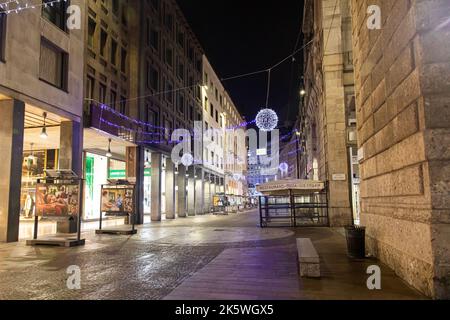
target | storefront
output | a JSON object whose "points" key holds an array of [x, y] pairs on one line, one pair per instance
{"points": [[147, 184], [104, 159], [43, 135]]}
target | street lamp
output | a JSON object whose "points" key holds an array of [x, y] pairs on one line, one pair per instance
{"points": [[297, 142]]}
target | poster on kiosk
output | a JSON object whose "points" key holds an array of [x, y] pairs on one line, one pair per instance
{"points": [[118, 200], [58, 198]]}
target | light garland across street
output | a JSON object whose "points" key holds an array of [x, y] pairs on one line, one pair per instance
{"points": [[18, 7]]}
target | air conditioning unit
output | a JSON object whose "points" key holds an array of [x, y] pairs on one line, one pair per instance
{"points": [[352, 122]]}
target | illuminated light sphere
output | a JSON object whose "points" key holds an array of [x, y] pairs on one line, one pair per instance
{"points": [[284, 167], [267, 120], [187, 159]]}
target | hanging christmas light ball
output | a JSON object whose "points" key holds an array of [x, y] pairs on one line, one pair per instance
{"points": [[267, 120], [284, 167], [187, 159]]}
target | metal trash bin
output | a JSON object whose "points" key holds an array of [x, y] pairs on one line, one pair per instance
{"points": [[356, 242]]}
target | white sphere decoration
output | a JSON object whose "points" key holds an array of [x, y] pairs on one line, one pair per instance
{"points": [[267, 120], [284, 167], [187, 159]]}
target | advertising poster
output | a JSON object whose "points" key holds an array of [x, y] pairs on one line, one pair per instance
{"points": [[117, 202], [56, 200]]}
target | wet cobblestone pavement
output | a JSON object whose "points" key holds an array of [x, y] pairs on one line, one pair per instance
{"points": [[146, 266], [231, 255]]}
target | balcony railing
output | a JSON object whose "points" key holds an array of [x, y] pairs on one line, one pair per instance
{"points": [[110, 121]]}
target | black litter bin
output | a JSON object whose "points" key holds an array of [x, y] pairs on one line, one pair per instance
{"points": [[356, 242]]}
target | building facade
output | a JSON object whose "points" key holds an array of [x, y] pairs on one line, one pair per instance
{"points": [[147, 86], [403, 131], [41, 100], [104, 101], [224, 151], [327, 124]]}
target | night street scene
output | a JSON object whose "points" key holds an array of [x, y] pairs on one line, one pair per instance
{"points": [[219, 158]]}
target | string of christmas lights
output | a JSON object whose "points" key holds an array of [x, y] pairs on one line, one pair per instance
{"points": [[5, 6], [147, 124]]}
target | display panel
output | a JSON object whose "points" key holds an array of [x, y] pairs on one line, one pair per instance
{"points": [[117, 201], [57, 200]]}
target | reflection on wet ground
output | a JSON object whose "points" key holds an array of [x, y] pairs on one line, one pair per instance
{"points": [[223, 257]]}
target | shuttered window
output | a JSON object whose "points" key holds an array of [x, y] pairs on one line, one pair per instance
{"points": [[53, 65]]}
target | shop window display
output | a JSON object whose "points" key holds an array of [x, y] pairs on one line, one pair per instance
{"points": [[34, 165], [98, 165]]}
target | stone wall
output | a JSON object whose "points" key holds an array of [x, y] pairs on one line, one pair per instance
{"points": [[325, 105], [403, 113]]}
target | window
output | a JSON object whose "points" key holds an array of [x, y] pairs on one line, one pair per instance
{"points": [[113, 57], [112, 99], [102, 93], [191, 113], [153, 118], [53, 65], [155, 4], [169, 56], [168, 21], [206, 104], [90, 84], [181, 70], [123, 60], [180, 103], [103, 42], [92, 25], [154, 38], [211, 111], [152, 77], [123, 105], [2, 35], [115, 7], [191, 54], [180, 38], [124, 14], [168, 129], [169, 92], [56, 12]]}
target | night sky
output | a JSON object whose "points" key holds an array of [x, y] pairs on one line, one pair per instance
{"points": [[241, 36]]}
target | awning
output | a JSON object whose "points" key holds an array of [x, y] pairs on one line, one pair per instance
{"points": [[286, 187]]}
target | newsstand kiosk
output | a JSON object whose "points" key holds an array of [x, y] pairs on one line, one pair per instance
{"points": [[59, 197], [118, 199]]}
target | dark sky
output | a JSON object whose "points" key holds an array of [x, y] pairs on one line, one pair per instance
{"points": [[241, 36]]}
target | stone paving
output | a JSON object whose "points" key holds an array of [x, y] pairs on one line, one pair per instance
{"points": [[204, 257]]}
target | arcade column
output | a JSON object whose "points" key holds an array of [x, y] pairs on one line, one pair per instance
{"points": [[135, 166], [181, 181], [191, 191], [156, 186], [170, 189], [11, 149]]}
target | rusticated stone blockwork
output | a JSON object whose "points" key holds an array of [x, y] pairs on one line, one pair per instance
{"points": [[403, 109]]}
